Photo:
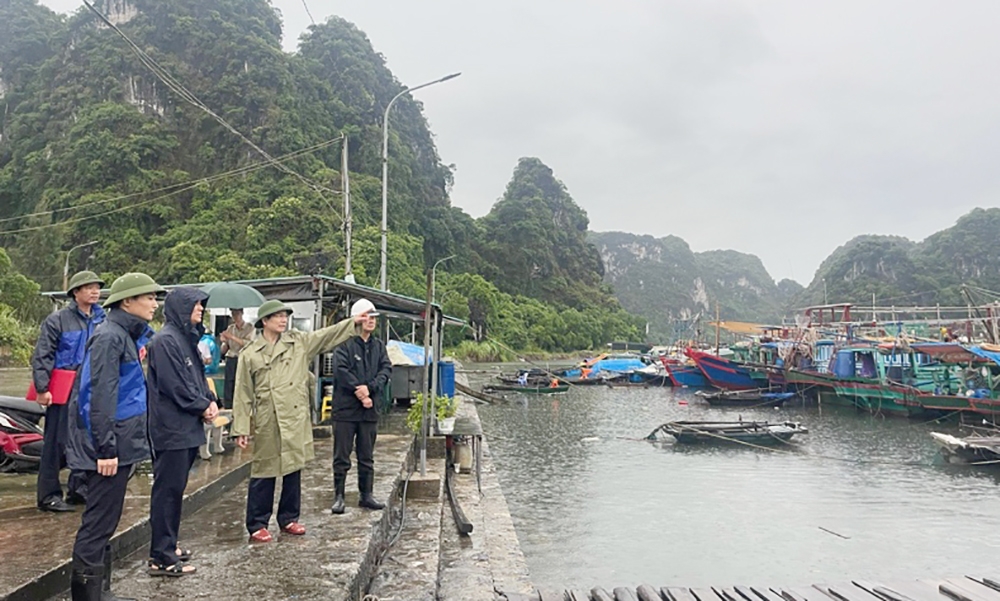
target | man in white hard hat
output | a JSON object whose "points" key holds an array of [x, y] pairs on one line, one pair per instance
{"points": [[363, 371]]}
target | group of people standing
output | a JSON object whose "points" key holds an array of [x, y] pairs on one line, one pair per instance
{"points": [[119, 415]]}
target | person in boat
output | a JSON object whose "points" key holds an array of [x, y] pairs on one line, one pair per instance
{"points": [[179, 403], [363, 371], [554, 383], [107, 433], [62, 344], [272, 399], [522, 378]]}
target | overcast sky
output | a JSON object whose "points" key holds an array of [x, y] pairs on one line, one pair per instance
{"points": [[776, 127]]}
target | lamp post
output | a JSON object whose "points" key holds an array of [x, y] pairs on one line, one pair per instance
{"points": [[434, 275], [385, 170], [66, 264]]}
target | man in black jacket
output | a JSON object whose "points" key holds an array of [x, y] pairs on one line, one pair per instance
{"points": [[62, 343], [363, 371], [107, 429], [179, 402]]}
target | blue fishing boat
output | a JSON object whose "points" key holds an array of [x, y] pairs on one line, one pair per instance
{"points": [[726, 374], [684, 375]]}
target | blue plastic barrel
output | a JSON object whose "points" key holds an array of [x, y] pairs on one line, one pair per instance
{"points": [[843, 365], [446, 379]]}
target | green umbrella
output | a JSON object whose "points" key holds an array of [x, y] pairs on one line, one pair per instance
{"points": [[230, 295]]}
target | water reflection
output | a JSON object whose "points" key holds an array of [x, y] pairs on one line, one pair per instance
{"points": [[594, 505]]}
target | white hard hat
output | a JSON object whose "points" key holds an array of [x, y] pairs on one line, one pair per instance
{"points": [[363, 306]]}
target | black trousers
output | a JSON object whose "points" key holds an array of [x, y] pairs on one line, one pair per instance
{"points": [[54, 458], [105, 501], [260, 501], [345, 434], [229, 386], [170, 477]]}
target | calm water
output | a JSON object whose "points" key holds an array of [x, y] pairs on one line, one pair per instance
{"points": [[614, 511]]}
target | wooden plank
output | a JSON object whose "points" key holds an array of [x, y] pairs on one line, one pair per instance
{"points": [[578, 596], [849, 592], [624, 594], [990, 582], [745, 593], [705, 594], [972, 587], [766, 594], [551, 595], [918, 591], [870, 588], [728, 594], [959, 592], [599, 594], [647, 593], [676, 593]]}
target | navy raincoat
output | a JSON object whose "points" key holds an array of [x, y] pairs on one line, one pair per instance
{"points": [[107, 408], [178, 391]]}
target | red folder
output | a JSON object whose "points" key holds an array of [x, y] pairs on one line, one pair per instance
{"points": [[60, 385]]}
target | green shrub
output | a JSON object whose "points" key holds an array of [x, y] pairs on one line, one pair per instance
{"points": [[443, 407]]}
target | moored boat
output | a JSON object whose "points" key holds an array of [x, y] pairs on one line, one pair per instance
{"points": [[745, 398], [756, 433], [725, 374], [971, 449], [527, 389]]}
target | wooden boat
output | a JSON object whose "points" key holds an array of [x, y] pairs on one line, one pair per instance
{"points": [[745, 398], [526, 389], [725, 374], [971, 449], [757, 433]]}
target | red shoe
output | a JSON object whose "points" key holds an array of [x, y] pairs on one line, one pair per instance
{"points": [[294, 528], [261, 536]]}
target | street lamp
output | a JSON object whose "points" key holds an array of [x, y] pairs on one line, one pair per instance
{"points": [[434, 274], [385, 169], [66, 264]]}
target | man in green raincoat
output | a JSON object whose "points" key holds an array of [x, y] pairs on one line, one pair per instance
{"points": [[272, 399]]}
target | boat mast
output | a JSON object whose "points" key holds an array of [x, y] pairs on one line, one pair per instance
{"points": [[716, 328]]}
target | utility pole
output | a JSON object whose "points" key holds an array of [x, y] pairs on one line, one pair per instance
{"points": [[345, 181]]}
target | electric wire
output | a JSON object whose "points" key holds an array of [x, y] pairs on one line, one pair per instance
{"points": [[183, 188], [178, 88], [202, 180]]}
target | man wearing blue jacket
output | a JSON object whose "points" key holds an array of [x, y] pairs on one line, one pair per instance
{"points": [[107, 429], [61, 345], [179, 402]]}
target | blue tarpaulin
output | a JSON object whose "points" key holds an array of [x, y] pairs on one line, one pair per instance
{"points": [[991, 355], [414, 353]]}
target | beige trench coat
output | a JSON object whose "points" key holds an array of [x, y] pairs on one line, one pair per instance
{"points": [[273, 394]]}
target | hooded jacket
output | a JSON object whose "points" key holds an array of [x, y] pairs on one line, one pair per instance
{"points": [[62, 342], [108, 402], [178, 391], [359, 362]]}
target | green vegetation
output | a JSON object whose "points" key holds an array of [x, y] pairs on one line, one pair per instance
{"points": [[95, 148], [443, 407]]}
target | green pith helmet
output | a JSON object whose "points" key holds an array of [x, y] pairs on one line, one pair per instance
{"points": [[129, 285], [82, 279], [268, 309]]}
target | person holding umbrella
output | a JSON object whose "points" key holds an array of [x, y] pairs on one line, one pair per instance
{"points": [[272, 399], [62, 343]]}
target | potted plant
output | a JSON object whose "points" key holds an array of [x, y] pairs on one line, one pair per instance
{"points": [[444, 409]]}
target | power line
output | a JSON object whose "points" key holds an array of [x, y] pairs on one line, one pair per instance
{"points": [[189, 97], [304, 4], [203, 180], [184, 188]]}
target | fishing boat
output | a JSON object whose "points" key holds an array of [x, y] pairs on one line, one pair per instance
{"points": [[745, 398], [725, 374], [757, 433], [971, 449], [526, 389], [682, 375]]}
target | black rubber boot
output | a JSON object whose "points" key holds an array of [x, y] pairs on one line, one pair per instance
{"points": [[106, 594], [85, 583], [365, 482], [339, 481]]}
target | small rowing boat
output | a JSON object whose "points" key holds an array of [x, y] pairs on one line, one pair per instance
{"points": [[757, 433]]}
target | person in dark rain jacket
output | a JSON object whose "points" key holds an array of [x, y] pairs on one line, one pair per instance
{"points": [[62, 343], [363, 371], [179, 403], [107, 429]]}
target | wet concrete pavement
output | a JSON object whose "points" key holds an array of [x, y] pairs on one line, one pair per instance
{"points": [[36, 547], [334, 560]]}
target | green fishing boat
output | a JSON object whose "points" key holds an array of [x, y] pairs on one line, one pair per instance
{"points": [[526, 389]]}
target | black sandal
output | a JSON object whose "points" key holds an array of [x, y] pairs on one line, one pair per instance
{"points": [[184, 555], [175, 571]]}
